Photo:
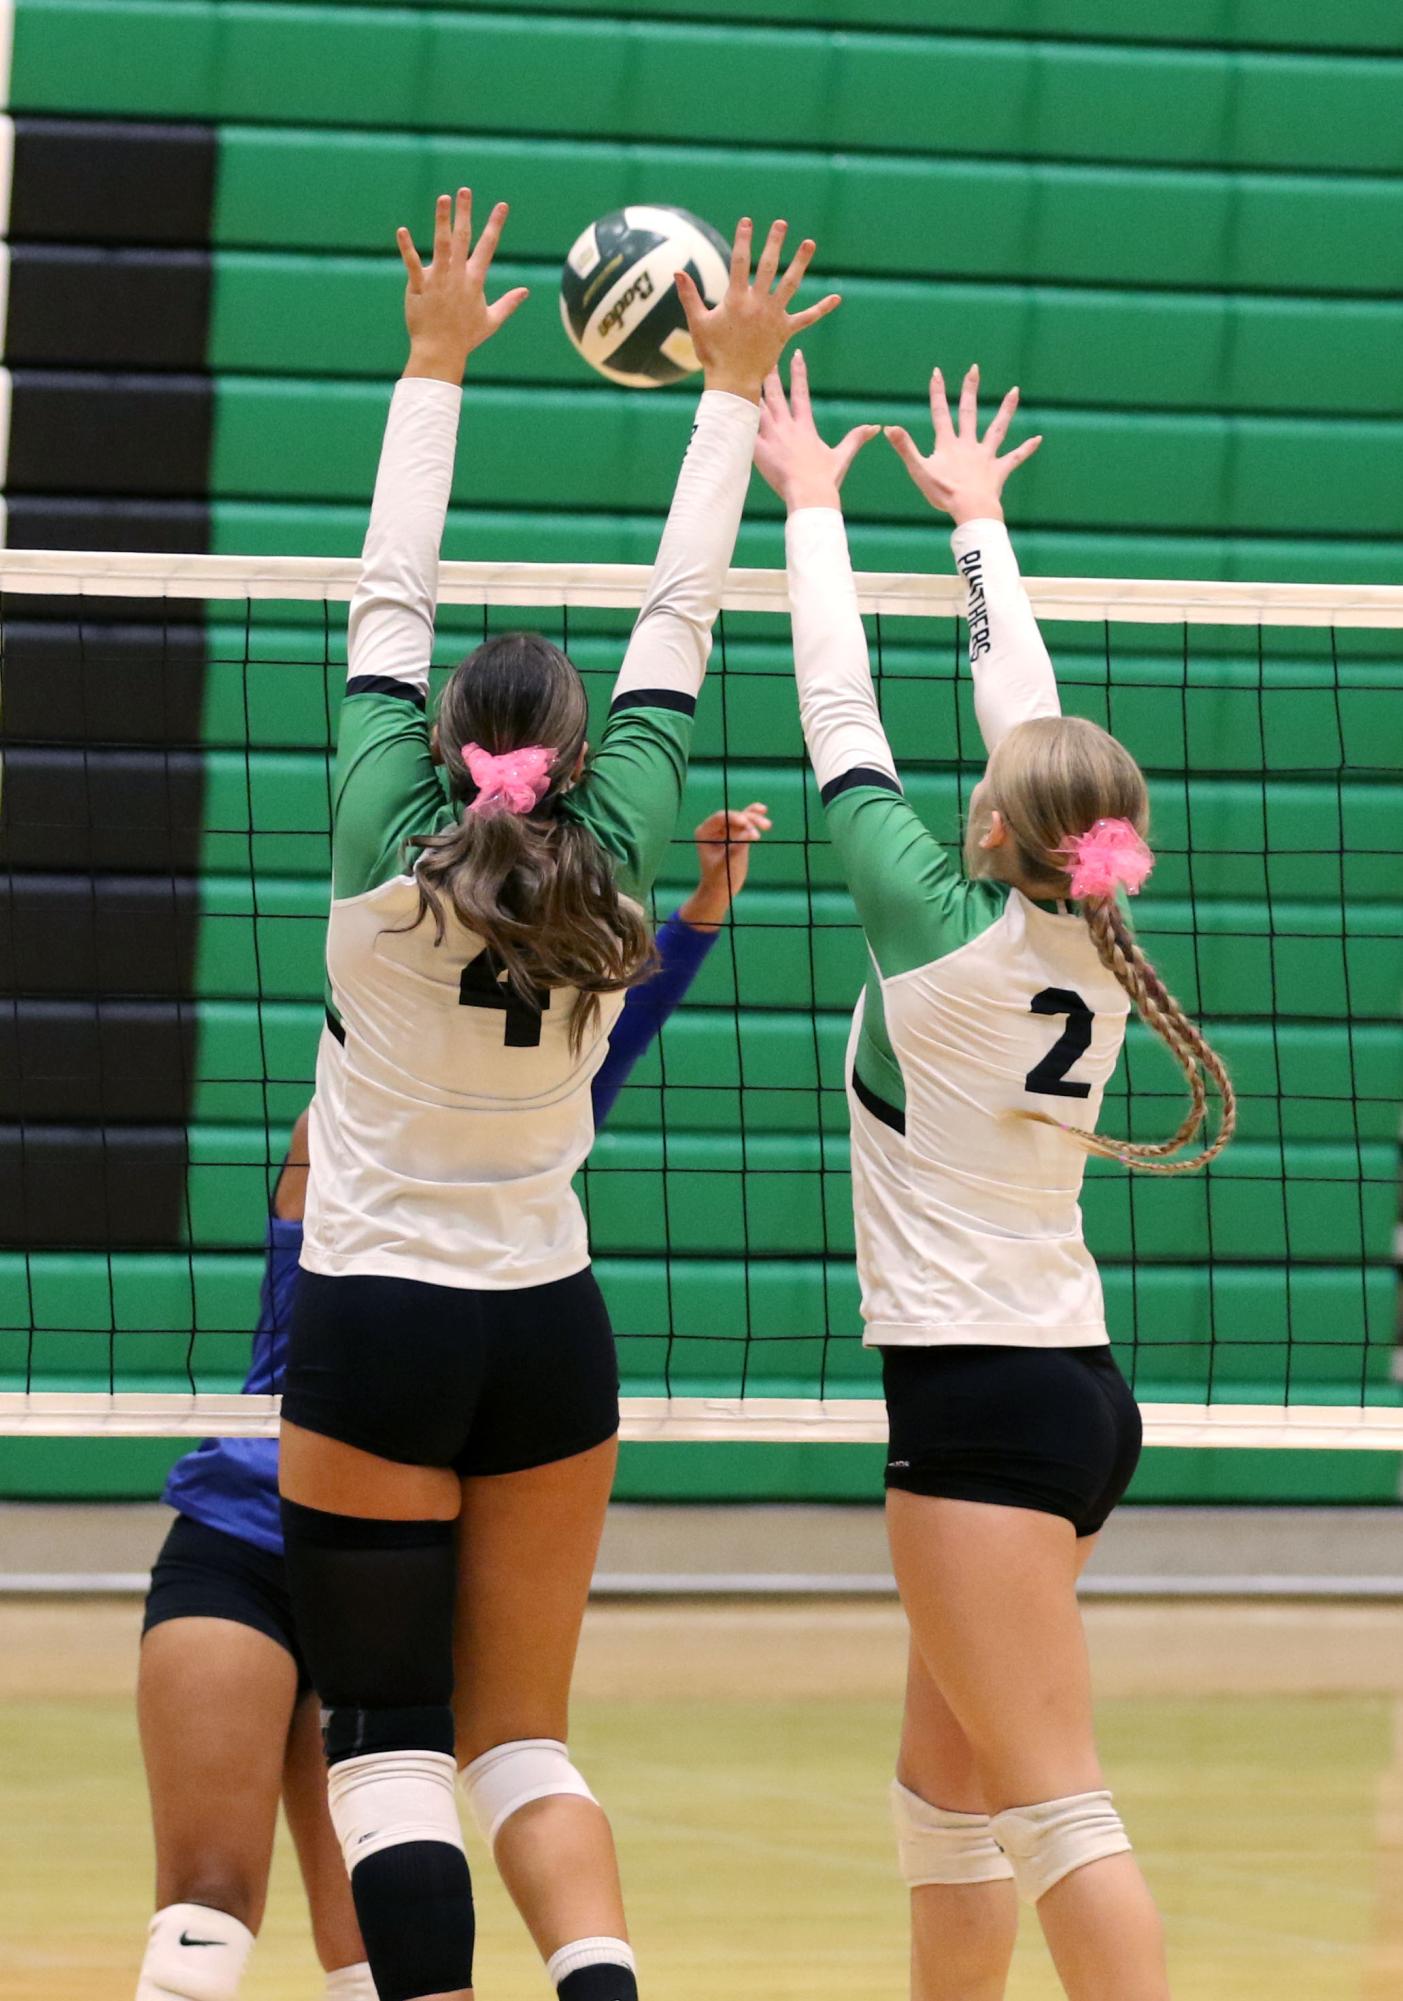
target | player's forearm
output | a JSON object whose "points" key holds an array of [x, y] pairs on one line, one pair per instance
{"points": [[672, 639], [1013, 677], [392, 613], [837, 702]]}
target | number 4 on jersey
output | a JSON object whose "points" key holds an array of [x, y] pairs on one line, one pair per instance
{"points": [[1049, 1078], [485, 984]]}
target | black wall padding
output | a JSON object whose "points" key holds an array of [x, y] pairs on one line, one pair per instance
{"points": [[80, 307], [41, 522], [89, 1184], [121, 936], [99, 682], [131, 434], [89, 180], [109, 448], [68, 806], [60, 1060]]}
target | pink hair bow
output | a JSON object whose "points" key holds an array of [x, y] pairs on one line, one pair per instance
{"points": [[1109, 856], [515, 782]]}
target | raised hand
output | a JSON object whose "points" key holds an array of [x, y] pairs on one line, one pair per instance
{"points": [[724, 840], [445, 306], [740, 340], [964, 475], [790, 454]]}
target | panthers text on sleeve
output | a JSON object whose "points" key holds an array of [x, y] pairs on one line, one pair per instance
{"points": [[449, 1117], [979, 1003]]}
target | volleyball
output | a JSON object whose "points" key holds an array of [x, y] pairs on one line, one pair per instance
{"points": [[618, 302]]}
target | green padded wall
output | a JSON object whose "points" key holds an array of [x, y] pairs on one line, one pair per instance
{"points": [[1179, 227]]}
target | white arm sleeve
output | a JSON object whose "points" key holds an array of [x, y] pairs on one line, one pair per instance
{"points": [[391, 631], [837, 703], [1013, 677], [671, 640]]}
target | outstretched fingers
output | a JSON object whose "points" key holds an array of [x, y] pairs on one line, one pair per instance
{"points": [[693, 304], [847, 449], [940, 410], [740, 254], [410, 257], [799, 388], [1003, 417], [443, 229], [794, 276], [502, 309], [1017, 457], [462, 225], [810, 317], [969, 405], [772, 403], [769, 257], [905, 447], [480, 263]]}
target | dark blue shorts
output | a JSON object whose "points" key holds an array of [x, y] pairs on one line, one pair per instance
{"points": [[202, 1573]]}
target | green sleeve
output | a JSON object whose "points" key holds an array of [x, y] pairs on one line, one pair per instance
{"points": [[631, 793], [914, 902], [386, 788]]}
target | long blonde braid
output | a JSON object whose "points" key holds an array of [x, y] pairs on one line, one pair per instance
{"points": [[1050, 779], [1181, 1035]]}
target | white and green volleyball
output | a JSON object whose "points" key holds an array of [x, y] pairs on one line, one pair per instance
{"points": [[618, 301]]}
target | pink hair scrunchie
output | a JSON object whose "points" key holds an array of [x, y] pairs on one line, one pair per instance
{"points": [[1109, 856], [514, 782]]}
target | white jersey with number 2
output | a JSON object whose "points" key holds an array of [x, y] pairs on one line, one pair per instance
{"points": [[979, 1003]]}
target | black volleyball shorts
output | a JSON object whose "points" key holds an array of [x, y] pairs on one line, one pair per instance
{"points": [[439, 1375], [1055, 1429]]}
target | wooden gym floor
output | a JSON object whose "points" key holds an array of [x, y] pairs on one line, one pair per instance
{"points": [[743, 1751]]}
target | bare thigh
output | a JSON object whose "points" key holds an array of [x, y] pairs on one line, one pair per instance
{"points": [[527, 1544], [936, 1759], [214, 1702], [991, 1596], [334, 1928]]}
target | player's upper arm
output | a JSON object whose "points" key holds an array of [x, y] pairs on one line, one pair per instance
{"points": [[386, 788], [913, 901]]}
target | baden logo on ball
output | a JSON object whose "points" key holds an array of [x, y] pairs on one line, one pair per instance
{"points": [[618, 302]]}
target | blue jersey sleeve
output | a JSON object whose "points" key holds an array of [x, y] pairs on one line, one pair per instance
{"points": [[232, 1483], [682, 950]]}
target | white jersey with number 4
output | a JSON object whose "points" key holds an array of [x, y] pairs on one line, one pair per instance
{"points": [[450, 1116], [980, 1003]]}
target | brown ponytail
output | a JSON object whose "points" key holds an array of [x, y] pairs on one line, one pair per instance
{"points": [[536, 887], [1051, 779]]}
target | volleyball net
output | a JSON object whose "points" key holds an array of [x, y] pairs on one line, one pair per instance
{"points": [[167, 728]]}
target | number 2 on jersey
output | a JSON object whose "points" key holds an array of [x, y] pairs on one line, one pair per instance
{"points": [[484, 983], [1049, 1078]]}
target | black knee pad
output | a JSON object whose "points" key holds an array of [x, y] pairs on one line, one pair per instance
{"points": [[362, 1733], [415, 1907], [373, 1602]]}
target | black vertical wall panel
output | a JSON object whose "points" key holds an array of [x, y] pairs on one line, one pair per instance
{"points": [[101, 807]]}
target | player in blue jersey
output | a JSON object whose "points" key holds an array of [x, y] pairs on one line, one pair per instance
{"points": [[219, 1638]]}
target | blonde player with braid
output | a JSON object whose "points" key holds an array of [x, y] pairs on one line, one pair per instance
{"points": [[993, 1017]]}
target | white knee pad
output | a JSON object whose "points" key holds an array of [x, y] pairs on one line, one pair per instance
{"points": [[390, 1797], [193, 1953], [936, 1845], [1047, 1842], [510, 1776]]}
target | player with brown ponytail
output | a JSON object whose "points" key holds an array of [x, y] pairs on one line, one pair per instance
{"points": [[994, 996]]}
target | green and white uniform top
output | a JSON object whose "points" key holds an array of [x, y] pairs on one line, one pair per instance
{"points": [[979, 1003], [448, 1122]]}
